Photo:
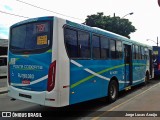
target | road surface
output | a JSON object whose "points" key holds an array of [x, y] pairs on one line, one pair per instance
{"points": [[140, 98]]}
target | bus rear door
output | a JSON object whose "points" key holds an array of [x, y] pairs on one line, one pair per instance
{"points": [[128, 65]]}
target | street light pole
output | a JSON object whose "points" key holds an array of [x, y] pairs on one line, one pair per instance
{"points": [[124, 15], [154, 41], [157, 41], [128, 14]]}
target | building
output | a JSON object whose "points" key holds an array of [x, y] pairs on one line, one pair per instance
{"points": [[3, 46]]}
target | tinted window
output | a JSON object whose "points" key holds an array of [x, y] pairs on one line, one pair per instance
{"points": [[84, 44], [133, 52], [71, 43], [30, 36], [142, 52], [77, 43], [104, 48], [146, 53], [118, 49], [96, 47], [136, 52], [17, 38], [113, 49]]}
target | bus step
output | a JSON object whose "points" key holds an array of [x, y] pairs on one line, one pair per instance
{"points": [[127, 88]]}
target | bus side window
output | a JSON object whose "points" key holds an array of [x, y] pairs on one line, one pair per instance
{"points": [[142, 53], [146, 53], [104, 48], [84, 45], [118, 49], [96, 47], [136, 52], [71, 42], [133, 52], [113, 49]]}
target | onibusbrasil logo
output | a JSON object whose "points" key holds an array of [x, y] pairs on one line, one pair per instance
{"points": [[21, 114]]}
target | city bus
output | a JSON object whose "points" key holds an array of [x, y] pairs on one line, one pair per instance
{"points": [[156, 61], [57, 62]]}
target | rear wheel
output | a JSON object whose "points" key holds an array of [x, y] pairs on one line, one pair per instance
{"points": [[146, 78], [112, 91]]}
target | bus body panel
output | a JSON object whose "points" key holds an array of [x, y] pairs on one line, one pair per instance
{"points": [[63, 69], [140, 67], [29, 72], [35, 97], [59, 96], [90, 78], [31, 96]]}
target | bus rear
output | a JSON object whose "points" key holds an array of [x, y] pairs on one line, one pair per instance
{"points": [[31, 64]]}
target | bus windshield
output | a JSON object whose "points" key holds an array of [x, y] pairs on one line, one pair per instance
{"points": [[30, 37]]}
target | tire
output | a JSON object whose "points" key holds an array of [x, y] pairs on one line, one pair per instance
{"points": [[146, 78], [112, 91]]}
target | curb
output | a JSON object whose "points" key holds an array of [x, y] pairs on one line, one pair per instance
{"points": [[3, 90]]}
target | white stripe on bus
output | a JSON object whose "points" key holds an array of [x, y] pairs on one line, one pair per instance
{"points": [[31, 83], [95, 74]]}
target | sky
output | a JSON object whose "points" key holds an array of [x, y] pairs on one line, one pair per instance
{"points": [[146, 17]]}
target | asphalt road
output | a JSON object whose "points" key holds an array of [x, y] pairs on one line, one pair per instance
{"points": [[139, 98]]}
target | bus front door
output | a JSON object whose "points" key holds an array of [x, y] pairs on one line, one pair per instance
{"points": [[127, 65]]}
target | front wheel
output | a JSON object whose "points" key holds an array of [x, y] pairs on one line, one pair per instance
{"points": [[112, 91]]}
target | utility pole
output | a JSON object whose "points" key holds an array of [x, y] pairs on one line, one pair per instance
{"points": [[157, 41], [114, 14]]}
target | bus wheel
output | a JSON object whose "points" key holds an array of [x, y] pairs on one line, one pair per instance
{"points": [[146, 78], [112, 91]]}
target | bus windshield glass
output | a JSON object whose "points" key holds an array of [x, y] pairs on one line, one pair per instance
{"points": [[30, 37]]}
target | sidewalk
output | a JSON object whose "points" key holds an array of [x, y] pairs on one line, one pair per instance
{"points": [[3, 90], [3, 85], [140, 105]]}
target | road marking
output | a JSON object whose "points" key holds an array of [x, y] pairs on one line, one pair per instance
{"points": [[106, 112]]}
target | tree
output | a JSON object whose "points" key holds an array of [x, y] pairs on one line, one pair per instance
{"points": [[114, 24]]}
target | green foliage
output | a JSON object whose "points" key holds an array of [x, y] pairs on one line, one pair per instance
{"points": [[114, 24]]}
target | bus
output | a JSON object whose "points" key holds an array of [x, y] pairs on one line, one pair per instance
{"points": [[156, 61], [57, 62], [3, 65]]}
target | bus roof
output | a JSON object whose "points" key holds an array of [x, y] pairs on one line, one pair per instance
{"points": [[33, 20]]}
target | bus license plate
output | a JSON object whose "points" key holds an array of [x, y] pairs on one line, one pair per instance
{"points": [[25, 81]]}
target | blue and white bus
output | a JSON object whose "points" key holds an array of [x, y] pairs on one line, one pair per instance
{"points": [[56, 62], [156, 61]]}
